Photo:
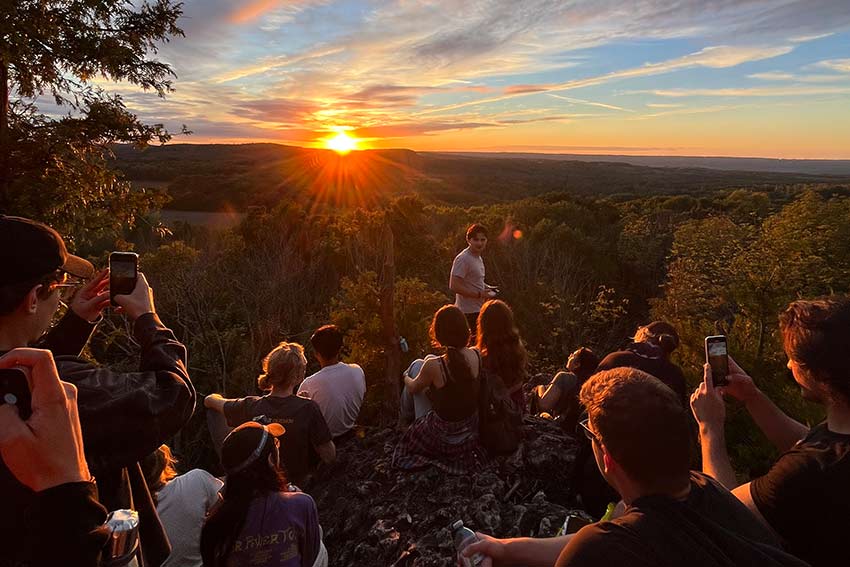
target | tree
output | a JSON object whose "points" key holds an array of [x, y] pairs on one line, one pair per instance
{"points": [[56, 168]]}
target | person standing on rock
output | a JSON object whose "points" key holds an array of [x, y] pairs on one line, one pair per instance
{"points": [[672, 516], [467, 277]]}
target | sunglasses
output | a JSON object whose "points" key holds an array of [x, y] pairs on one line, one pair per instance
{"points": [[583, 426]]}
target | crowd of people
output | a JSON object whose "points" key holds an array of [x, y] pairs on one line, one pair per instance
{"points": [[85, 441]]}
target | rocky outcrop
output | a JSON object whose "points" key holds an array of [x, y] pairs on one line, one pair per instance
{"points": [[373, 515]]}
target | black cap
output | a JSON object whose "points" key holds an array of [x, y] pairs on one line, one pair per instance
{"points": [[30, 250]]}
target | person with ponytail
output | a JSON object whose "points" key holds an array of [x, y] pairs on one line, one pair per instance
{"points": [[502, 349], [446, 436], [309, 437], [261, 521], [650, 351]]}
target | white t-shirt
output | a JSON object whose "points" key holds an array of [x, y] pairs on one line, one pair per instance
{"points": [[182, 505], [470, 268], [338, 390]]}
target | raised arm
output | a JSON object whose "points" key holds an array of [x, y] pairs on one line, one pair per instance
{"points": [[782, 430], [709, 410]]}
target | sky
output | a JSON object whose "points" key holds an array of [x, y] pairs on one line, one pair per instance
{"points": [[767, 78]]}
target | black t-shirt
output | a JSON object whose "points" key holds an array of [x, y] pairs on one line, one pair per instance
{"points": [[710, 528], [650, 359], [302, 418], [805, 496]]}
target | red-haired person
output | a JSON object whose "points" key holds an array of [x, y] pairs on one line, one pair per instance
{"points": [[641, 443], [502, 349], [806, 492]]}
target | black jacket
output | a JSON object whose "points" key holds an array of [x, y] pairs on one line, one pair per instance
{"points": [[124, 417]]}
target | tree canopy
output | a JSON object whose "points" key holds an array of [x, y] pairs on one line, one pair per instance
{"points": [[53, 166]]}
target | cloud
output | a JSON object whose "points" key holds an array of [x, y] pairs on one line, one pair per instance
{"points": [[684, 111], [839, 65], [785, 76], [281, 111], [717, 57], [591, 103], [749, 92], [663, 105]]}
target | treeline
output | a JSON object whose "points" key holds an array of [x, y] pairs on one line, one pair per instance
{"points": [[578, 271]]}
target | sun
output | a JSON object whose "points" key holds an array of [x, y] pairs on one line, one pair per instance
{"points": [[342, 143]]}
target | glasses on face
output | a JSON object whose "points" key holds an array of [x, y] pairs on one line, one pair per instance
{"points": [[66, 285], [585, 428]]}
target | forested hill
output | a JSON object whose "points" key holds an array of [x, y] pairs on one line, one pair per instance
{"points": [[216, 177]]}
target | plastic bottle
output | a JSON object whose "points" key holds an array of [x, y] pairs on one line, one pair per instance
{"points": [[463, 537], [402, 343]]}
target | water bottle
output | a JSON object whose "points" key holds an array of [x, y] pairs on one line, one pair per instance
{"points": [[402, 343], [463, 537]]}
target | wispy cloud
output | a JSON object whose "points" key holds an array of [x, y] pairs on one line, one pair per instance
{"points": [[591, 103], [716, 57], [749, 92], [840, 65]]}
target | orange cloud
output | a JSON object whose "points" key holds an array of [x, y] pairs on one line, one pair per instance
{"points": [[252, 10]]}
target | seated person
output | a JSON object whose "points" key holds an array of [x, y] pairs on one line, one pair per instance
{"points": [[309, 436], [338, 388], [182, 502], [650, 351], [560, 397], [502, 349], [805, 494], [447, 435], [260, 522], [672, 516]]}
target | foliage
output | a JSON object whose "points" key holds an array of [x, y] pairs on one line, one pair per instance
{"points": [[356, 311], [734, 278], [54, 168]]}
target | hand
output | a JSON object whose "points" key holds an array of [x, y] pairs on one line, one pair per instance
{"points": [[707, 403], [92, 298], [139, 302], [47, 449], [740, 386], [491, 548]]}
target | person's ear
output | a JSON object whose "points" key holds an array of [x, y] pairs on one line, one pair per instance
{"points": [[608, 461], [31, 299]]}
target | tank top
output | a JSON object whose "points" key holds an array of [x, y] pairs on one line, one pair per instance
{"points": [[457, 399]]}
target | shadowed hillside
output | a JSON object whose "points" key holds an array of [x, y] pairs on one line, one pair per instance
{"points": [[235, 177]]}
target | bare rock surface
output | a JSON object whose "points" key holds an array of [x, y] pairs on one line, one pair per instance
{"points": [[373, 515]]}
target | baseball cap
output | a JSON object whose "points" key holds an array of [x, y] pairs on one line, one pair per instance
{"points": [[245, 444], [30, 250]]}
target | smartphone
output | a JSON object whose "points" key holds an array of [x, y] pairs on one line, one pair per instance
{"points": [[123, 272], [15, 390], [717, 356]]}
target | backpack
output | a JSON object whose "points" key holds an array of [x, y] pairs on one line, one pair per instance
{"points": [[499, 420]]}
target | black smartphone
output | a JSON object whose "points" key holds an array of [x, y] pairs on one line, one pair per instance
{"points": [[15, 390], [717, 356], [123, 272]]}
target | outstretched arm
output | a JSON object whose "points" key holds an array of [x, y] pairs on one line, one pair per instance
{"points": [[782, 430], [532, 552]]}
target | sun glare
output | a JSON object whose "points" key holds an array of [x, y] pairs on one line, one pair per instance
{"points": [[342, 143]]}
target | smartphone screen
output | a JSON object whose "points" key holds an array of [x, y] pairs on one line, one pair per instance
{"points": [[123, 271], [15, 390], [717, 356]]}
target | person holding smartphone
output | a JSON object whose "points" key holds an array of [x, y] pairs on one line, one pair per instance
{"points": [[805, 494], [124, 416], [44, 452]]}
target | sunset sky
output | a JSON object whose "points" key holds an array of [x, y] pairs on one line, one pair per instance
{"points": [[686, 77]]}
